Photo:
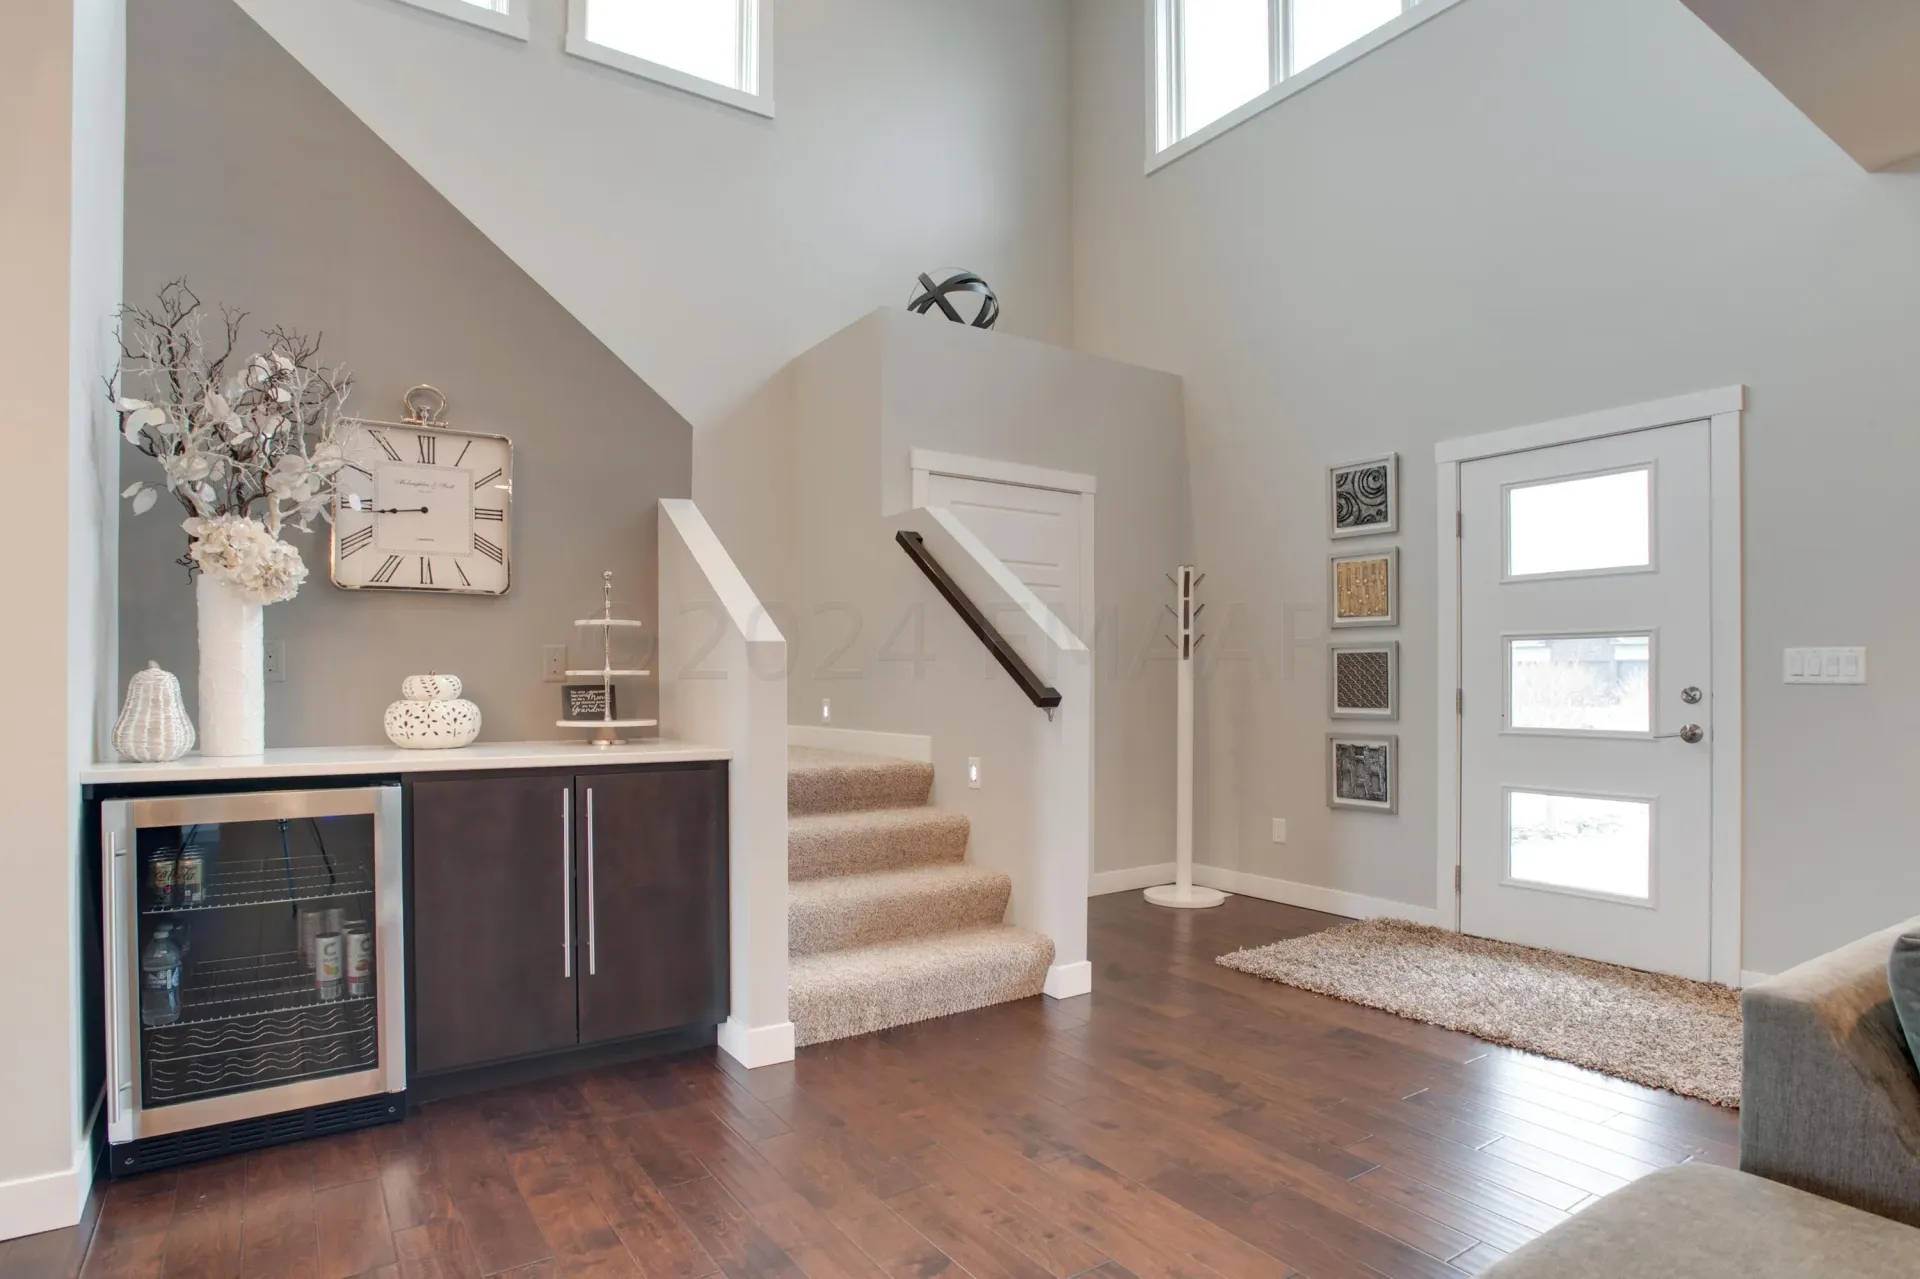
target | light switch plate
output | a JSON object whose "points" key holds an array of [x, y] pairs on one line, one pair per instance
{"points": [[1824, 666], [1279, 830]]}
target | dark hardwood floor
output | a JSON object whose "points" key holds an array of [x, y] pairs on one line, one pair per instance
{"points": [[1183, 1122]]}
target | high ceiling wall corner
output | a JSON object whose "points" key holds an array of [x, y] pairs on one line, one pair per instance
{"points": [[1849, 65]]}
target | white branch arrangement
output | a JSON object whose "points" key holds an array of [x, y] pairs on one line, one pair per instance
{"points": [[250, 447]]}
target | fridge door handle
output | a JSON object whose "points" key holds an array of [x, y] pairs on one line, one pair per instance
{"points": [[566, 882], [593, 916], [119, 1074]]}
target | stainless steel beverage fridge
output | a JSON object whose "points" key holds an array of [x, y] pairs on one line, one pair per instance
{"points": [[254, 970]]}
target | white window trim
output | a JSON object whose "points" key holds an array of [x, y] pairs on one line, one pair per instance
{"points": [[754, 70], [511, 23], [1163, 71]]}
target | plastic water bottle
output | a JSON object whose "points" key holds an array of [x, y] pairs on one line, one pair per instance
{"points": [[160, 979]]}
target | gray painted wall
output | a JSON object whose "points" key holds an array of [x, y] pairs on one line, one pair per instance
{"points": [[1521, 210], [706, 246], [246, 176]]}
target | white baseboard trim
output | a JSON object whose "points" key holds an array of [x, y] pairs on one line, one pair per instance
{"points": [[1748, 977], [861, 741], [1064, 981], [756, 1046], [50, 1200], [1311, 896], [1133, 877]]}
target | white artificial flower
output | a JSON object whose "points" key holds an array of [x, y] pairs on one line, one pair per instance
{"points": [[240, 551]]}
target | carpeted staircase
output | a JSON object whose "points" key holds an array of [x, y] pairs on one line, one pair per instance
{"points": [[887, 921]]}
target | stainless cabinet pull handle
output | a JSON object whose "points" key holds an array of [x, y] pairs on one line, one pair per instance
{"points": [[593, 928], [566, 882]]}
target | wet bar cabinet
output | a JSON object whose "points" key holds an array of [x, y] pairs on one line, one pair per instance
{"points": [[253, 952]]}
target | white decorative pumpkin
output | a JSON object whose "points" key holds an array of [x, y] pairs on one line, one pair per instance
{"points": [[432, 715], [153, 726], [431, 687]]}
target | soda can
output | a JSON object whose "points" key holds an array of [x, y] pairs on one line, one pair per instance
{"points": [[336, 917], [162, 877], [329, 952], [190, 877], [311, 926], [359, 960]]}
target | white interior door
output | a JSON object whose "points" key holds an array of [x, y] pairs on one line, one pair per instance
{"points": [[1587, 699], [1034, 531]]}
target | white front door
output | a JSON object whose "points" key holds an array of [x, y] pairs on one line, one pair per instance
{"points": [[1034, 531], [1587, 699]]}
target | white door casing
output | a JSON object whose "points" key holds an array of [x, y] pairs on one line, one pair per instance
{"points": [[1572, 815]]}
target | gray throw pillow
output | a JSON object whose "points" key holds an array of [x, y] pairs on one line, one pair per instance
{"points": [[1903, 975]]}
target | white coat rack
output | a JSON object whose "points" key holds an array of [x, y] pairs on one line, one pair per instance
{"points": [[1182, 892]]}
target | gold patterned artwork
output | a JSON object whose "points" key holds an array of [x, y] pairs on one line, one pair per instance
{"points": [[1364, 589]]}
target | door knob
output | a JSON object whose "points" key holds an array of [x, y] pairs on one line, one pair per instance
{"points": [[1689, 733], [1690, 695]]}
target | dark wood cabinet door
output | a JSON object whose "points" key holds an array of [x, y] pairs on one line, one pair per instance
{"points": [[652, 884], [490, 914]]}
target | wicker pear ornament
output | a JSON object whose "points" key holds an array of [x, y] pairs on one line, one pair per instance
{"points": [[153, 726]]}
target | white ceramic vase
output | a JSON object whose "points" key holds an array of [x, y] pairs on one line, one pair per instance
{"points": [[233, 690]]}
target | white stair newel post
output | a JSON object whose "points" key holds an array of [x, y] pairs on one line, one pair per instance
{"points": [[1186, 638]]}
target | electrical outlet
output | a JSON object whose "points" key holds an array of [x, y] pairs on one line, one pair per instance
{"points": [[1279, 830], [554, 661], [826, 710], [276, 661], [973, 772]]}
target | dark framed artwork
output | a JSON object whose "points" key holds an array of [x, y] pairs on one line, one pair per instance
{"points": [[1363, 772], [1363, 681], [1364, 497]]}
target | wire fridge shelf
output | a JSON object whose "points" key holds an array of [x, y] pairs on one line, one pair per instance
{"points": [[271, 881]]}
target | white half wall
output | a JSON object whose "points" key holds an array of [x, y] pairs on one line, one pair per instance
{"points": [[723, 682], [707, 246], [62, 84], [1516, 212]]}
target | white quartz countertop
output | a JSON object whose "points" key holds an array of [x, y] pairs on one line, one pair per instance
{"points": [[324, 761]]}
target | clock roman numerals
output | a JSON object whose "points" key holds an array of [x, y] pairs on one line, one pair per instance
{"points": [[463, 453], [358, 540], [428, 447], [489, 513], [384, 574], [426, 571], [385, 447], [488, 549], [491, 477], [363, 470], [464, 579]]}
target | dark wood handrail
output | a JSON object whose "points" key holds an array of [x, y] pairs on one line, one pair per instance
{"points": [[1039, 694]]}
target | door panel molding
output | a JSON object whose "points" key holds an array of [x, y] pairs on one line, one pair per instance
{"points": [[1723, 409]]}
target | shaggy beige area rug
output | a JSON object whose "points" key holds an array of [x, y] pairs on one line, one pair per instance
{"points": [[1665, 1032]]}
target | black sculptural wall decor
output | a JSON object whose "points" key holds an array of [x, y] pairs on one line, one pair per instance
{"points": [[972, 292]]}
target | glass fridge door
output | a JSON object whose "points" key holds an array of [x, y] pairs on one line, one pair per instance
{"points": [[254, 934]]}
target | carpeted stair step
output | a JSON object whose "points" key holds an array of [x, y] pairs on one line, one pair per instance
{"points": [[861, 842], [826, 781], [871, 910], [853, 992]]}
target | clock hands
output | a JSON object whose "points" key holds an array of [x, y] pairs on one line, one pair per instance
{"points": [[399, 510]]}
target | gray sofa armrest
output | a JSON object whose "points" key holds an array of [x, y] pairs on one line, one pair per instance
{"points": [[1830, 1101]]}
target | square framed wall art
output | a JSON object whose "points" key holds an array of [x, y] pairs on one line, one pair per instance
{"points": [[1363, 772], [1363, 498], [1366, 589], [1363, 681]]}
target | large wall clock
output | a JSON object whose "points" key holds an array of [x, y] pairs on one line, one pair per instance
{"points": [[423, 507]]}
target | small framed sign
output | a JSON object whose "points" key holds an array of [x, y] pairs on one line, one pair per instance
{"points": [[588, 703]]}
